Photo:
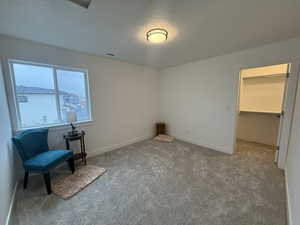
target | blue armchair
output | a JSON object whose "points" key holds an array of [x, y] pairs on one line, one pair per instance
{"points": [[32, 146]]}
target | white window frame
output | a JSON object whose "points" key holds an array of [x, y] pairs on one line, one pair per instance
{"points": [[16, 111]]}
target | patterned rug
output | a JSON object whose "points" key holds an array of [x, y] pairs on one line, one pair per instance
{"points": [[72, 184]]}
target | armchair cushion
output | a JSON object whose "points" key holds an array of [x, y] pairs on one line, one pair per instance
{"points": [[45, 161]]}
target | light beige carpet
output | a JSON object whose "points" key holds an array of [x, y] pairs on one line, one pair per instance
{"points": [[160, 183], [71, 185]]}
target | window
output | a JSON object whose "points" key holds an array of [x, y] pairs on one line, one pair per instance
{"points": [[45, 94], [22, 98]]}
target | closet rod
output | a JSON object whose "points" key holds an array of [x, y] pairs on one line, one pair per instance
{"points": [[266, 76], [261, 112]]}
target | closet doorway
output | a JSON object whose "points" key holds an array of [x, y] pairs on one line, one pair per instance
{"points": [[262, 94]]}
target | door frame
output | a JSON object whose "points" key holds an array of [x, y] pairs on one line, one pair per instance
{"points": [[288, 106], [282, 116]]}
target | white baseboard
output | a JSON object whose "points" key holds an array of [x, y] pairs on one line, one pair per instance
{"points": [[201, 143], [105, 149], [288, 203], [11, 206]]}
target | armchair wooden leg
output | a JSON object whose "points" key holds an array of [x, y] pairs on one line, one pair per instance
{"points": [[71, 164], [48, 183], [25, 180]]}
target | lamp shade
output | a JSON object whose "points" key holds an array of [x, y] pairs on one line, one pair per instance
{"points": [[71, 117]]}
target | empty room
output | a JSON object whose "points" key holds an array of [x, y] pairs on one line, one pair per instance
{"points": [[149, 112]]}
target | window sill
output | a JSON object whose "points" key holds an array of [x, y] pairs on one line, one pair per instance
{"points": [[56, 127]]}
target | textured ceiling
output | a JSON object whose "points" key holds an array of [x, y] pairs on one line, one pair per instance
{"points": [[198, 29]]}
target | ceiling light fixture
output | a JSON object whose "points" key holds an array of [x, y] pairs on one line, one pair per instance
{"points": [[157, 35]]}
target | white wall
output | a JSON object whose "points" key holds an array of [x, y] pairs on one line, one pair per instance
{"points": [[262, 94], [198, 99], [117, 88], [260, 128], [7, 158], [292, 171]]}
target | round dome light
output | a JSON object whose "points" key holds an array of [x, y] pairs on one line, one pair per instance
{"points": [[157, 35]]}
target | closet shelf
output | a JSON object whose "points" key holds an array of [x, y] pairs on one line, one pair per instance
{"points": [[261, 112], [266, 76]]}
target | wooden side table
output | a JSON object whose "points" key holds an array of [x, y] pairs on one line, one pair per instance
{"points": [[80, 136]]}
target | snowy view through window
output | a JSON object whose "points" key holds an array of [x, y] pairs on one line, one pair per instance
{"points": [[44, 95]]}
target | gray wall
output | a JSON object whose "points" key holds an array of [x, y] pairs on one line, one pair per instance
{"points": [[7, 157]]}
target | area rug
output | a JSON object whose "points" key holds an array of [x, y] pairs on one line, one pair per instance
{"points": [[69, 186]]}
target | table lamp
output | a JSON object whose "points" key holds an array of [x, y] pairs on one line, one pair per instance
{"points": [[72, 118]]}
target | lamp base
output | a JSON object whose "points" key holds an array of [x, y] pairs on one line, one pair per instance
{"points": [[73, 133]]}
